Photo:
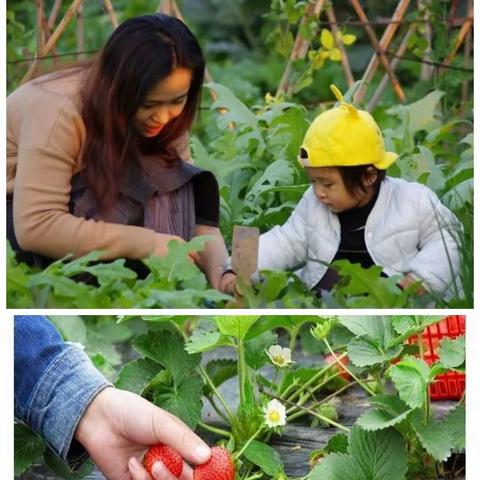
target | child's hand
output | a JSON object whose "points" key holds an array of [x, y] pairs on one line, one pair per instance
{"points": [[119, 426], [409, 280]]}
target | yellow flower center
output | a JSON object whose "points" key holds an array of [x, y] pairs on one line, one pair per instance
{"points": [[279, 359], [274, 416]]}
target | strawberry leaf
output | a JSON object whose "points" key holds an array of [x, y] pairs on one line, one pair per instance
{"points": [[264, 457], [28, 448], [183, 400], [410, 377], [169, 351], [136, 375], [452, 352]]}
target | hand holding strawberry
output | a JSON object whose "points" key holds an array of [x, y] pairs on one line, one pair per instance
{"points": [[118, 426]]}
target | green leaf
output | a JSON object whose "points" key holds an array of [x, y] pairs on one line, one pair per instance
{"points": [[338, 466], [410, 377], [71, 327], [205, 341], [183, 400], [107, 273], [337, 444], [389, 411], [236, 111], [28, 447], [136, 375], [381, 455], [62, 470], [220, 370], [455, 423], [236, 326], [422, 113], [270, 322], [169, 351], [264, 457], [434, 436], [366, 287], [255, 349], [452, 352], [364, 352]]}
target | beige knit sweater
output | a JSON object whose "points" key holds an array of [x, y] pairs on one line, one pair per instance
{"points": [[45, 136]]}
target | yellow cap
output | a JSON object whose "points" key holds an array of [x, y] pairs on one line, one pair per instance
{"points": [[345, 137]]}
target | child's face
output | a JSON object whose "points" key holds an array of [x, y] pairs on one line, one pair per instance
{"points": [[330, 189]]}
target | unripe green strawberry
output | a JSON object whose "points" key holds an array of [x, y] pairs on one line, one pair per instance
{"points": [[169, 457], [219, 467]]}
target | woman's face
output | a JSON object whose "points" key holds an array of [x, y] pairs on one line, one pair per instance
{"points": [[163, 103], [330, 189]]}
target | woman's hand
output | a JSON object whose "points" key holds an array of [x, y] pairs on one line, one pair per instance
{"points": [[227, 283], [161, 246], [118, 427]]}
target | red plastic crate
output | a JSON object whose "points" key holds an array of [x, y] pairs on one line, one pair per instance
{"points": [[451, 385]]}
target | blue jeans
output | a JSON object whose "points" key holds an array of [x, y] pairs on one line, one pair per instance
{"points": [[55, 381]]}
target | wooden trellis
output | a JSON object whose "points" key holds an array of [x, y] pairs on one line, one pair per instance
{"points": [[49, 32]]}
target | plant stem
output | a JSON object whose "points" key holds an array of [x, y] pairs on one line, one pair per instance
{"points": [[255, 476], [247, 443], [211, 428], [216, 392], [311, 412], [242, 370], [300, 413], [215, 407], [314, 378], [344, 367]]}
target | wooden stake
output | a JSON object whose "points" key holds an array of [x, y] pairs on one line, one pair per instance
{"points": [[384, 82], [53, 39], [39, 11], [80, 32], [384, 44], [466, 27], [338, 42], [300, 47], [111, 13], [380, 52], [426, 71], [245, 252], [466, 59], [54, 14]]}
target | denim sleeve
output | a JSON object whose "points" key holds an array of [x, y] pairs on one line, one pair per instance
{"points": [[55, 381]]}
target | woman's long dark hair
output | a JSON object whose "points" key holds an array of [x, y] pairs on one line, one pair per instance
{"points": [[141, 52]]}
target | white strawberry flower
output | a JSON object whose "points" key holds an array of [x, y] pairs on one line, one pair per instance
{"points": [[275, 414], [280, 357]]}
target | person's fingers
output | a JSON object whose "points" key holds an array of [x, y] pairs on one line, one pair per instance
{"points": [[137, 471], [161, 472], [187, 472], [171, 431]]}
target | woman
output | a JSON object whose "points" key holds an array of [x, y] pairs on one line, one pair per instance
{"points": [[97, 155]]}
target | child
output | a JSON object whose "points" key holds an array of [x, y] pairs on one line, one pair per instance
{"points": [[353, 211]]}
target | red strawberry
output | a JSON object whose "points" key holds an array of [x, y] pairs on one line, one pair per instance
{"points": [[219, 467], [336, 367], [170, 458]]}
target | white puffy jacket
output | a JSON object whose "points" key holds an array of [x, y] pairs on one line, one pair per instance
{"points": [[408, 230]]}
